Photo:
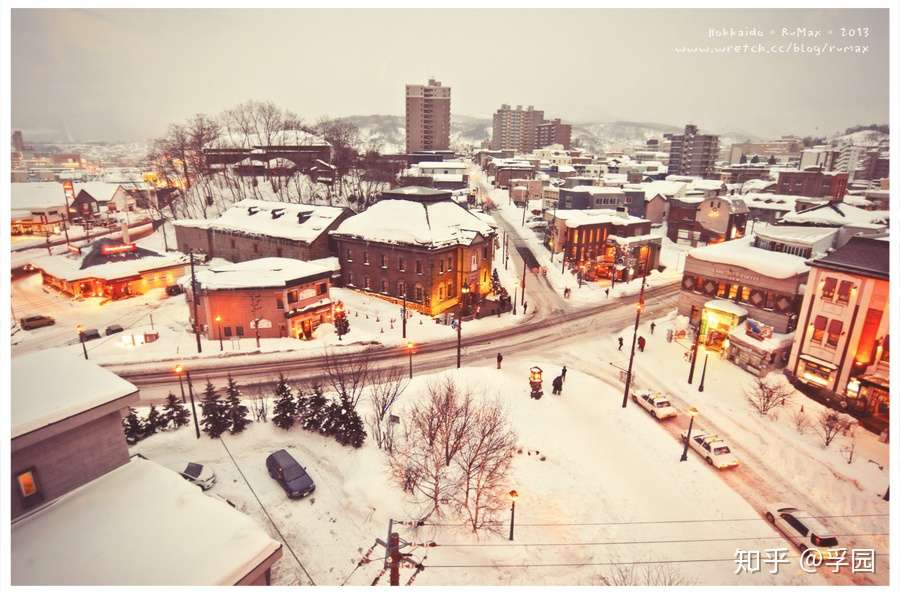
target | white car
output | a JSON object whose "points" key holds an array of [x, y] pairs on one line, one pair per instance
{"points": [[803, 530], [654, 402], [200, 475], [713, 449]]}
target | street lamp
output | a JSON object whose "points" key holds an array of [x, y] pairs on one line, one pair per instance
{"points": [[693, 412], [512, 513], [80, 330], [179, 369], [410, 347], [219, 322], [703, 374]]}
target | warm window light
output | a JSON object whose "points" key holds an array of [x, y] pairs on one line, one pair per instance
{"points": [[218, 318], [179, 369]]}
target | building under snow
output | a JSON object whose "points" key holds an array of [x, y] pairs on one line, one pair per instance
{"points": [[431, 251], [85, 513]]}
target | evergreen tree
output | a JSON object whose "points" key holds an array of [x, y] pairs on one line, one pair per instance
{"points": [[314, 409], [350, 429], [214, 421], [285, 411], [175, 413], [134, 428], [237, 413], [154, 421], [332, 418]]}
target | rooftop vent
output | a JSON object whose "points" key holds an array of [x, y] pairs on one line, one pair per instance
{"points": [[304, 216], [251, 210], [277, 212]]}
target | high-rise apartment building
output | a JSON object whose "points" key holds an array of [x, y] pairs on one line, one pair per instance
{"points": [[516, 129], [554, 132], [693, 154], [427, 117]]}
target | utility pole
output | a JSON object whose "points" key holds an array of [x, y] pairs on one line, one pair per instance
{"points": [[524, 208], [392, 555], [695, 347], [403, 311], [703, 374], [196, 303], [524, 268], [458, 339], [506, 251], [637, 322]]}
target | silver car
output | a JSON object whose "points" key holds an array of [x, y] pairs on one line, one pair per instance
{"points": [[803, 530], [200, 475]]}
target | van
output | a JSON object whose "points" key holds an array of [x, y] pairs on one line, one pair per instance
{"points": [[288, 472]]}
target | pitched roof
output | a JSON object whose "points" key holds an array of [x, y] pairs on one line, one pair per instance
{"points": [[868, 256], [260, 273]]}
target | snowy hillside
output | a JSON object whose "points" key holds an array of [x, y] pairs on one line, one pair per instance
{"points": [[866, 137]]}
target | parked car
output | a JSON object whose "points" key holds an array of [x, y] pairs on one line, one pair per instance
{"points": [[654, 402], [200, 475], [713, 449], [36, 321], [174, 290], [292, 477], [113, 329], [88, 334], [805, 531]]}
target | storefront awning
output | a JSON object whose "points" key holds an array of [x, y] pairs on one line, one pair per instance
{"points": [[819, 361]]}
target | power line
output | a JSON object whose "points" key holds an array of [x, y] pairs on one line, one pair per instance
{"points": [[417, 524], [266, 512], [363, 560]]}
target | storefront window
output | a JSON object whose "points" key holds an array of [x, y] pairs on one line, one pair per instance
{"points": [[733, 291], [828, 288], [834, 332], [745, 294], [843, 296], [770, 300], [720, 291]]}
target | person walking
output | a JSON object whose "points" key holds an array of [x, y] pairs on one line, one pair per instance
{"points": [[524, 307], [621, 341], [641, 343], [563, 375], [499, 360], [652, 327], [607, 293], [557, 386]]}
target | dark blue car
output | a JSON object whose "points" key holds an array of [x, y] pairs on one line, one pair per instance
{"points": [[292, 477]]}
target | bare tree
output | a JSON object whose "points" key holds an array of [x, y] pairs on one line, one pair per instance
{"points": [[831, 424], [642, 575], [801, 421], [348, 374], [850, 449], [768, 393], [256, 313], [385, 387]]}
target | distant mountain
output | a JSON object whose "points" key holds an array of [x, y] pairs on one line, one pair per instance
{"points": [[865, 137], [387, 131]]}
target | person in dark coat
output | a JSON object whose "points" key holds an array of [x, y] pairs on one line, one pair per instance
{"points": [[641, 343], [563, 375], [621, 341], [652, 327], [557, 386], [524, 307], [607, 293], [499, 360]]}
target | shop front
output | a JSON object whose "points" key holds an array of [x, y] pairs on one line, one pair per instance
{"points": [[717, 320], [302, 322], [757, 349]]}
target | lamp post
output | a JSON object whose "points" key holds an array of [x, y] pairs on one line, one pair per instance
{"points": [[512, 513], [703, 374], [693, 412], [694, 348], [178, 370], [219, 322], [410, 347], [403, 311], [80, 330], [637, 323]]}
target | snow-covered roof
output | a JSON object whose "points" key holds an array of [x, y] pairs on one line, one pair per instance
{"points": [[771, 201], [256, 218], [664, 188], [99, 190], [740, 253], [232, 139], [596, 190], [37, 196], [70, 267], [141, 524], [55, 384], [728, 306], [635, 238], [767, 344], [789, 234], [429, 224], [837, 214], [263, 272], [449, 164], [596, 216]]}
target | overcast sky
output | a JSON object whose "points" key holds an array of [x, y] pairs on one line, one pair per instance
{"points": [[126, 74]]}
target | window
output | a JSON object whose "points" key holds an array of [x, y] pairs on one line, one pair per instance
{"points": [[819, 329], [366, 282], [279, 303], [383, 261], [720, 292], [365, 256], [474, 262], [843, 295], [451, 291], [484, 251], [239, 331], [384, 286], [450, 264], [418, 267], [350, 278], [255, 248], [745, 294], [732, 291], [420, 294], [29, 490], [828, 288], [795, 524], [278, 252], [349, 255], [440, 292], [401, 264], [401, 288], [232, 243], [835, 327], [322, 288], [228, 331], [770, 300], [292, 296], [441, 267]]}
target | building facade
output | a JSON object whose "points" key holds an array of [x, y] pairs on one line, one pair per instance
{"points": [[842, 346], [693, 154], [427, 117], [516, 129], [812, 183], [552, 132]]}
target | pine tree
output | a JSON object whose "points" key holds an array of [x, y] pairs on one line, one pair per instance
{"points": [[175, 413], [332, 419], [350, 429], [236, 411], [214, 420], [314, 409], [285, 410], [134, 428], [154, 421]]}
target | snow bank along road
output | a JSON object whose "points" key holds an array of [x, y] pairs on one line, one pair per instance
{"points": [[543, 330]]}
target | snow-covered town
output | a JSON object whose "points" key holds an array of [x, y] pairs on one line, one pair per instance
{"points": [[255, 344]]}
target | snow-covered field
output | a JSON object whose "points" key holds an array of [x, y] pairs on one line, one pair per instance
{"points": [[596, 484]]}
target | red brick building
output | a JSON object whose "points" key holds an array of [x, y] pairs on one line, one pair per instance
{"points": [[276, 297], [813, 183]]}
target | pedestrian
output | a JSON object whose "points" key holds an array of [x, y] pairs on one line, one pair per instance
{"points": [[524, 307], [563, 375], [641, 343], [557, 386], [607, 293], [499, 360], [652, 327], [621, 341]]}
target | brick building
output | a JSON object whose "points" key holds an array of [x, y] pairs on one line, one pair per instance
{"points": [[693, 154], [552, 132], [253, 229], [525, 130], [812, 183], [435, 253], [274, 297], [253, 153], [427, 117]]}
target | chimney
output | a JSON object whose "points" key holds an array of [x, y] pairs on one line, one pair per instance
{"points": [[125, 234]]}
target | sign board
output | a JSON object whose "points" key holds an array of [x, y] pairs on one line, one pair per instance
{"points": [[262, 322], [757, 329], [122, 248], [307, 293]]}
